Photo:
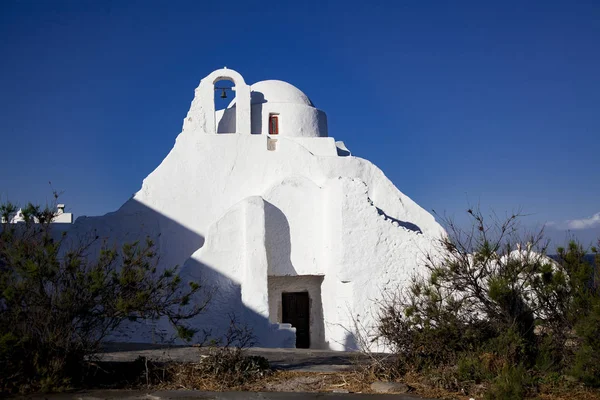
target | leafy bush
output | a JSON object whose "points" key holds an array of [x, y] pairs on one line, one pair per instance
{"points": [[495, 306], [476, 367], [510, 384], [57, 304]]}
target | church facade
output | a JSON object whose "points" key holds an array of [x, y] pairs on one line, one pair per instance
{"points": [[298, 238]]}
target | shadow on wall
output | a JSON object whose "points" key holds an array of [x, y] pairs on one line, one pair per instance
{"points": [[342, 150], [175, 244], [405, 224], [226, 303], [256, 99], [283, 277], [350, 343], [227, 123], [278, 242]]}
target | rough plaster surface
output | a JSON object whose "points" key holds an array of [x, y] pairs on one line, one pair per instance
{"points": [[241, 212]]}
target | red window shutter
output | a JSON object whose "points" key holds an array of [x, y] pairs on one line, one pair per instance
{"points": [[273, 125]]}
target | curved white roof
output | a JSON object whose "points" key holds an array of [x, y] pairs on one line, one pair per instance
{"points": [[274, 91]]}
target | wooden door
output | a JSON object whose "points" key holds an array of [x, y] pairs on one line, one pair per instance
{"points": [[295, 311]]}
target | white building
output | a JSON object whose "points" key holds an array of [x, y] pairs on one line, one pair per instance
{"points": [[260, 202], [60, 217]]}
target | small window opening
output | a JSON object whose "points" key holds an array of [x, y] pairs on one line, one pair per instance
{"points": [[273, 124]]}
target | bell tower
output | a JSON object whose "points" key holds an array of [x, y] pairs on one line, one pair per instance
{"points": [[205, 93]]}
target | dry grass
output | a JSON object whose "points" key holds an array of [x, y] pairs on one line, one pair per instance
{"points": [[575, 393], [187, 376], [184, 376], [191, 376]]}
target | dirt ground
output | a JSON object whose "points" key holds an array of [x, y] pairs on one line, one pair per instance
{"points": [[304, 370]]}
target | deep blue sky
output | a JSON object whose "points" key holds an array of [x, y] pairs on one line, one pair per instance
{"points": [[495, 103]]}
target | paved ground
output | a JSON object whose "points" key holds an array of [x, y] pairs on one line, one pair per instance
{"points": [[196, 395], [288, 359]]}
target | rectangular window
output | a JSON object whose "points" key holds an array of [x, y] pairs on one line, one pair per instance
{"points": [[273, 124]]}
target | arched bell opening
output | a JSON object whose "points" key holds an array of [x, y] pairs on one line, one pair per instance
{"points": [[224, 95], [217, 90]]}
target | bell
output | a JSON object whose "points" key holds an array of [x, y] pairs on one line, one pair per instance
{"points": [[223, 94]]}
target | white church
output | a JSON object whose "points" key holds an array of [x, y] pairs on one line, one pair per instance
{"points": [[299, 237]]}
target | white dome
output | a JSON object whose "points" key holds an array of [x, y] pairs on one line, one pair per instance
{"points": [[274, 91], [296, 114]]}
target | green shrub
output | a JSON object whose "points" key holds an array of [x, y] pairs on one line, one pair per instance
{"points": [[57, 304], [471, 368], [494, 306], [586, 364], [510, 384]]}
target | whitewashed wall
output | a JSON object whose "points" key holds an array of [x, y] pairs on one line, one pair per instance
{"points": [[233, 212]]}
